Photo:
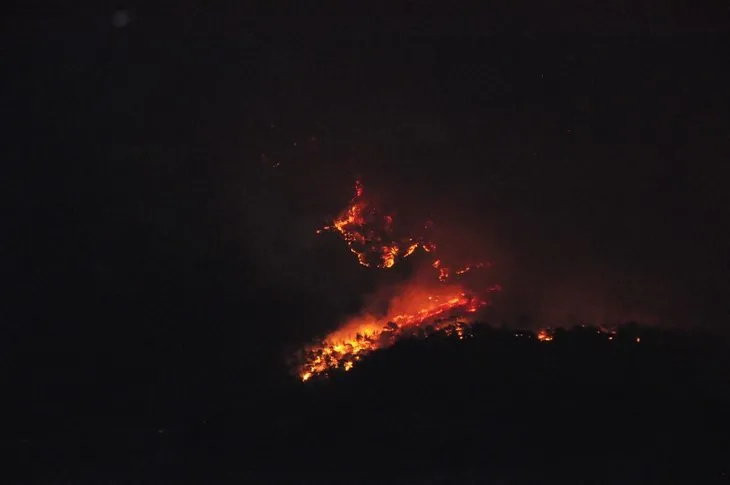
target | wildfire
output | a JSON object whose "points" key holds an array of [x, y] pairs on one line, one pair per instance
{"points": [[416, 313], [370, 236], [418, 310], [544, 336]]}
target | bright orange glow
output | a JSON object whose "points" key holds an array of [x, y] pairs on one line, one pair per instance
{"points": [[371, 237], [411, 249], [544, 336], [416, 309], [419, 308]]}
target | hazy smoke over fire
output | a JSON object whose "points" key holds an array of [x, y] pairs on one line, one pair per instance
{"points": [[415, 308]]}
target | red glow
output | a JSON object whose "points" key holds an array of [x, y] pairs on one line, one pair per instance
{"points": [[417, 307], [441, 305], [373, 240]]}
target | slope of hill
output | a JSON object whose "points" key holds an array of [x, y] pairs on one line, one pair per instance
{"points": [[635, 406]]}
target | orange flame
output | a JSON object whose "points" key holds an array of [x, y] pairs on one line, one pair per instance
{"points": [[423, 309], [418, 309], [544, 336], [368, 235], [370, 238]]}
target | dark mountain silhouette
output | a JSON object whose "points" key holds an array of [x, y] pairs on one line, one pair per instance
{"points": [[638, 405]]}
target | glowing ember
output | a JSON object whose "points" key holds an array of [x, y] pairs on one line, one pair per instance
{"points": [[443, 274], [470, 267]]}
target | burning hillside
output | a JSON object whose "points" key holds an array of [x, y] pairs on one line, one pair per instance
{"points": [[369, 234], [418, 312], [373, 238], [417, 308]]}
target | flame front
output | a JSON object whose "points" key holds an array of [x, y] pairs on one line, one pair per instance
{"points": [[418, 310]]}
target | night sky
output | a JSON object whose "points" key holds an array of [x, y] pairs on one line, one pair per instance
{"points": [[165, 171]]}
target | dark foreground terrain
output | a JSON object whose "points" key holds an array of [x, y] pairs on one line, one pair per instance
{"points": [[640, 406]]}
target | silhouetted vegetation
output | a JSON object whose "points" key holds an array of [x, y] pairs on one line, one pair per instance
{"points": [[635, 405], [609, 404]]}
